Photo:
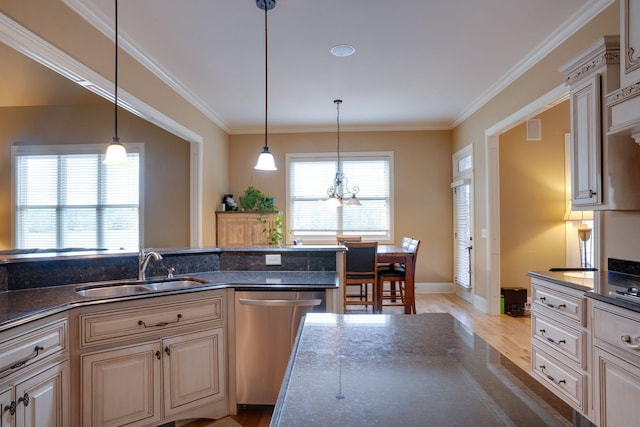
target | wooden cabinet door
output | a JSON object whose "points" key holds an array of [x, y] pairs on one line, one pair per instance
{"points": [[586, 142], [618, 389], [232, 230], [193, 366], [6, 399], [122, 386], [43, 399], [630, 41]]}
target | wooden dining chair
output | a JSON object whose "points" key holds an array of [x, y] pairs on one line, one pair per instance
{"points": [[395, 294], [359, 272]]}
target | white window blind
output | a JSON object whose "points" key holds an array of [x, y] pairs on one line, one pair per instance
{"points": [[65, 197], [311, 218], [462, 234]]}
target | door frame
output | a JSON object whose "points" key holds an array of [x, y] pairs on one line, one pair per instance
{"points": [[559, 94]]}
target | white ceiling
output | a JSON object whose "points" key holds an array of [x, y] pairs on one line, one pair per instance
{"points": [[418, 64]]}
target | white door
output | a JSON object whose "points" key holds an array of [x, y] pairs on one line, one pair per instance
{"points": [[462, 186]]}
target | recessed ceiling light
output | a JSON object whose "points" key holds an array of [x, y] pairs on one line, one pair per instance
{"points": [[343, 50]]}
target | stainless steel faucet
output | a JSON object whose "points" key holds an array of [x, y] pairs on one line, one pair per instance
{"points": [[143, 262]]}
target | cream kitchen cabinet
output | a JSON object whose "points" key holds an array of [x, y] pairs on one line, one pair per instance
{"points": [[243, 229], [630, 42], [616, 336], [604, 172], [560, 342], [34, 374], [153, 361]]}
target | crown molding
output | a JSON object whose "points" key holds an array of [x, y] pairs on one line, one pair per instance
{"points": [[43, 52], [105, 25], [555, 39]]}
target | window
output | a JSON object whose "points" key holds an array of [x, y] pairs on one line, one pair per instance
{"points": [[462, 216], [65, 197], [309, 216]]}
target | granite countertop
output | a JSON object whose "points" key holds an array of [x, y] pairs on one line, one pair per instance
{"points": [[600, 285], [426, 369], [22, 306]]}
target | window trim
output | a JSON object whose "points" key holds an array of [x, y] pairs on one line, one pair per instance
{"points": [[359, 155], [25, 149]]}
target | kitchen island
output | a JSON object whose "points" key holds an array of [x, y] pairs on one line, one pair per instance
{"points": [[427, 369]]}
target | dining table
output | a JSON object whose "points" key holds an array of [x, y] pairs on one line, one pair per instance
{"points": [[392, 254]]}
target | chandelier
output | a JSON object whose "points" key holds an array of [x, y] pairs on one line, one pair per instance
{"points": [[340, 189]]}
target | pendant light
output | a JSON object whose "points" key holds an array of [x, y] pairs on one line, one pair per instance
{"points": [[266, 161], [116, 153], [340, 187]]}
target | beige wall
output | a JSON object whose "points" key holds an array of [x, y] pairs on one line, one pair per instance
{"points": [[60, 26], [532, 198], [539, 80], [166, 196], [422, 176]]}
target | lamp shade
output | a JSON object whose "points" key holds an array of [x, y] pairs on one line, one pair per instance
{"points": [[266, 161], [116, 154]]}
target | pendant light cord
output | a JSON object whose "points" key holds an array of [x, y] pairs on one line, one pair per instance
{"points": [[115, 103], [338, 102], [266, 76]]}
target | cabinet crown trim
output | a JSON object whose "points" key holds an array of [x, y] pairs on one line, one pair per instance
{"points": [[605, 50]]}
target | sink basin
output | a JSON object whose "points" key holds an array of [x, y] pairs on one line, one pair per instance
{"points": [[111, 290], [117, 289], [170, 284]]}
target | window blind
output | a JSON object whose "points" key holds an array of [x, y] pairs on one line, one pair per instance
{"points": [[65, 200], [462, 233], [310, 217]]}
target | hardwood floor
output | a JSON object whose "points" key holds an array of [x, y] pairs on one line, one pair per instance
{"points": [[509, 335]]}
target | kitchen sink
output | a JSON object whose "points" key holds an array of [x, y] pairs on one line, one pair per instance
{"points": [[117, 289]]}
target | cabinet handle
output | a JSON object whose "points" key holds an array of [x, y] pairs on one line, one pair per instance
{"points": [[592, 193], [24, 399], [629, 342], [549, 377], [161, 324], [11, 408], [551, 340], [158, 354], [167, 350], [23, 362]]}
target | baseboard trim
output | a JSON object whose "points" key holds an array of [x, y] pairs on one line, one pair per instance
{"points": [[435, 288]]}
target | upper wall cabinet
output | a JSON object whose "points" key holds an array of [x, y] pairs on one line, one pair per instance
{"points": [[624, 104], [605, 171], [630, 42]]}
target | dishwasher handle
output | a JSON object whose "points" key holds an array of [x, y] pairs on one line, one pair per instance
{"points": [[280, 302]]}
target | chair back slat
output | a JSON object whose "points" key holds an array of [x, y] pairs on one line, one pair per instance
{"points": [[342, 239]]}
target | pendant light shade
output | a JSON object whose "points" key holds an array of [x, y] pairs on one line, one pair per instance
{"points": [[266, 162], [116, 153]]}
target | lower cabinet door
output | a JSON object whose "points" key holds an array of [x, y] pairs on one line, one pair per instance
{"points": [[192, 365], [122, 386], [7, 407], [43, 399], [618, 389]]}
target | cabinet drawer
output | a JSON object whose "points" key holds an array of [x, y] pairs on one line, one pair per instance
{"points": [[33, 346], [566, 382], [117, 325], [568, 341], [568, 306], [619, 331]]}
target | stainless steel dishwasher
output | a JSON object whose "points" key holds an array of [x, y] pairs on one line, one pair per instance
{"points": [[267, 323]]}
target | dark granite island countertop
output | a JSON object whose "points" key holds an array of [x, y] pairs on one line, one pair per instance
{"points": [[396, 370]]}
